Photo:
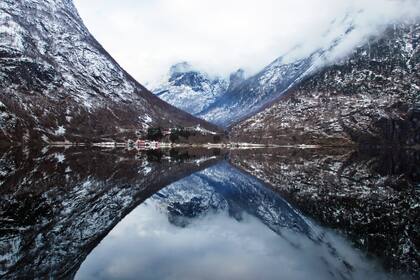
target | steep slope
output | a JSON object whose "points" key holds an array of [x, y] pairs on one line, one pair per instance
{"points": [[247, 97], [370, 97], [253, 94], [223, 102], [58, 83], [189, 89]]}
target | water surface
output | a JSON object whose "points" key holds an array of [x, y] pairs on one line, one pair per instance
{"points": [[208, 214], [223, 224]]}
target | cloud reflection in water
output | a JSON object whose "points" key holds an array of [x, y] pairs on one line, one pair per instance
{"points": [[146, 245]]}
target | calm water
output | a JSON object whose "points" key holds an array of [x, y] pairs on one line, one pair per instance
{"points": [[208, 214]]}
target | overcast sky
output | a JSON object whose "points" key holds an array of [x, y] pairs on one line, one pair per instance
{"points": [[220, 36]]}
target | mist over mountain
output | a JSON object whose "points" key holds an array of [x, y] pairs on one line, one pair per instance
{"points": [[244, 34], [246, 97], [370, 98]]}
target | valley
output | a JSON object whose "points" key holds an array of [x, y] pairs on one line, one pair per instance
{"points": [[305, 168]]}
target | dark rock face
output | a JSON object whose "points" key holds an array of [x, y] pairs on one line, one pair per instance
{"points": [[58, 83], [370, 196], [57, 206], [370, 98], [235, 79]]}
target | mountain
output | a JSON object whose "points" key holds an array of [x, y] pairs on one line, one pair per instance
{"points": [[58, 83], [224, 102], [247, 97], [371, 97], [243, 97], [190, 90], [251, 95]]}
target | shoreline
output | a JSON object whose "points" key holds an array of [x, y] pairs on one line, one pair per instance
{"points": [[230, 146]]}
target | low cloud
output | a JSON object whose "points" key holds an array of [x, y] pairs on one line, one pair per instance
{"points": [[217, 36]]}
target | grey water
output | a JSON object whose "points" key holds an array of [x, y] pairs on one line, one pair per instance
{"points": [[112, 214]]}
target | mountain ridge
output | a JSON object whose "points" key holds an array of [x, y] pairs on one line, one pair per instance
{"points": [[370, 97], [59, 84]]}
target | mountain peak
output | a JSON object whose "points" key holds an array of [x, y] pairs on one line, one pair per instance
{"points": [[181, 67], [189, 89]]}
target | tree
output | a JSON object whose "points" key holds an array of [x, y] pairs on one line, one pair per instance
{"points": [[154, 134], [173, 137], [217, 139], [177, 133]]}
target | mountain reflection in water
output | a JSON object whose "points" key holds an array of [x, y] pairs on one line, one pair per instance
{"points": [[57, 205], [222, 224], [372, 196], [195, 214]]}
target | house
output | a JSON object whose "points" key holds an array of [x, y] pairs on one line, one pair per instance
{"points": [[145, 144]]}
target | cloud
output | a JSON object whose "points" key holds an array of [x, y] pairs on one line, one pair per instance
{"points": [[147, 37]]}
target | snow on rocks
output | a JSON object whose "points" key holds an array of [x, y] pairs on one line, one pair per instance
{"points": [[49, 62]]}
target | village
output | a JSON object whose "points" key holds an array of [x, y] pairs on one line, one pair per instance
{"points": [[154, 138], [158, 137]]}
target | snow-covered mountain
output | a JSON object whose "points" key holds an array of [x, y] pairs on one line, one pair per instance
{"points": [[224, 101], [189, 89], [253, 94], [58, 83], [369, 97], [242, 97], [248, 96]]}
